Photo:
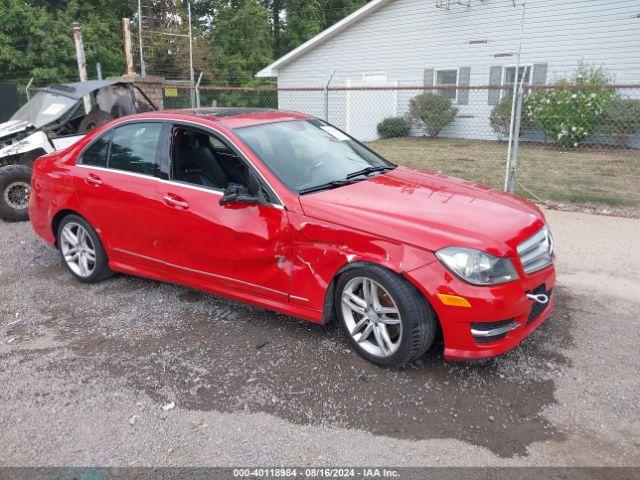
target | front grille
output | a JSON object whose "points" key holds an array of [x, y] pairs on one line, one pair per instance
{"points": [[536, 252], [537, 308]]}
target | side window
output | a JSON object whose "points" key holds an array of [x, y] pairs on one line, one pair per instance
{"points": [[216, 142], [134, 147], [509, 78], [447, 78], [202, 159], [96, 154]]}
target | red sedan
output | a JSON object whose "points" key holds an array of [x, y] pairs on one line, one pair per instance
{"points": [[284, 211]]}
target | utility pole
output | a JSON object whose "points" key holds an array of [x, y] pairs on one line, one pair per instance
{"points": [[82, 63], [191, 73], [143, 67], [128, 57]]}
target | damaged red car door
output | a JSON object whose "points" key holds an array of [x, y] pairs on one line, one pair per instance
{"points": [[241, 246]]}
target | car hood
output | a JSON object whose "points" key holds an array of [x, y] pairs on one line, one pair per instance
{"points": [[429, 210], [10, 128]]}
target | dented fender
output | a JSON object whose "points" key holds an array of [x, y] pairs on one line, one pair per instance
{"points": [[317, 257]]}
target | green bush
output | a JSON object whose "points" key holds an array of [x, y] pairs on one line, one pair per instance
{"points": [[434, 111], [569, 114], [394, 127], [621, 119], [500, 117]]}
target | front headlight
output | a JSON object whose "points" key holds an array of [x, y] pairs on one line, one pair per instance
{"points": [[477, 267]]}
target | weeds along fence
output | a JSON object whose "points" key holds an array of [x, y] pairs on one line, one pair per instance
{"points": [[562, 143]]}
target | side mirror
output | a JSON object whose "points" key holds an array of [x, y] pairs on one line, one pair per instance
{"points": [[235, 193]]}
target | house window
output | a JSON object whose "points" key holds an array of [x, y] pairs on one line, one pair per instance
{"points": [[447, 78], [375, 78], [509, 77]]}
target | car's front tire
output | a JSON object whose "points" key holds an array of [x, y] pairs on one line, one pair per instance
{"points": [[387, 320], [81, 250]]}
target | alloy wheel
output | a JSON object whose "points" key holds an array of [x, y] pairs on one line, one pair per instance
{"points": [[371, 316], [16, 195], [78, 249]]}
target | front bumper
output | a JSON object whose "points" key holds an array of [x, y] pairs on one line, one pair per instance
{"points": [[505, 304]]}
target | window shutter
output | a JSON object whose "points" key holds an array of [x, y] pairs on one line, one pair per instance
{"points": [[428, 78], [464, 79], [539, 74], [495, 79]]}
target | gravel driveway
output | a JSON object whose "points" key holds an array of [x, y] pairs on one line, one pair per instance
{"points": [[85, 372]]}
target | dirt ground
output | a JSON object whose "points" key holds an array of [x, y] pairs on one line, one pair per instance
{"points": [[86, 370]]}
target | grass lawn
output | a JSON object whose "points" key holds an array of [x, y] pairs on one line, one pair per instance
{"points": [[604, 175]]}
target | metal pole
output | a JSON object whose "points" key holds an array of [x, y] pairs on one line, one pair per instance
{"points": [[511, 175], [513, 103], [191, 73], [27, 89], [128, 56], [82, 64], [198, 90], [99, 70], [326, 97], [143, 67]]}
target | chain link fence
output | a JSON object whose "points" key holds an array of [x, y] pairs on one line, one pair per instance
{"points": [[576, 144], [584, 138]]}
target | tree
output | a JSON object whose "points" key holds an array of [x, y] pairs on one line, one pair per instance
{"points": [[233, 38], [500, 118], [621, 119], [434, 111], [306, 18], [36, 39], [243, 39], [568, 114]]}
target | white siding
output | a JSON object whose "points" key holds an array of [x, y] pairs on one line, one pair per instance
{"points": [[405, 37]]}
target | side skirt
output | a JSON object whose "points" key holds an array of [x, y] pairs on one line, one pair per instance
{"points": [[284, 307]]}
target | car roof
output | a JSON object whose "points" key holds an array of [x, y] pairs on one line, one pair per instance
{"points": [[78, 90], [232, 117]]}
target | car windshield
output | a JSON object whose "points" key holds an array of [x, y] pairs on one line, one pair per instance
{"points": [[309, 155], [44, 108]]}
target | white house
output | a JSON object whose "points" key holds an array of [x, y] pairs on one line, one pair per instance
{"points": [[412, 43]]}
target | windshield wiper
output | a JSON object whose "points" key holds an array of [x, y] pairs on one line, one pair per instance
{"points": [[349, 179], [368, 170], [325, 186]]}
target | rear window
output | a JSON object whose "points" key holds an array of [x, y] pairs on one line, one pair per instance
{"points": [[134, 147]]}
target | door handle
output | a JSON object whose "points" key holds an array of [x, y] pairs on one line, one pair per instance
{"points": [[93, 179], [175, 202]]}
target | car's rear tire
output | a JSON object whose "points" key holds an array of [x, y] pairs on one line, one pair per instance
{"points": [[387, 320], [15, 188], [82, 251]]}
